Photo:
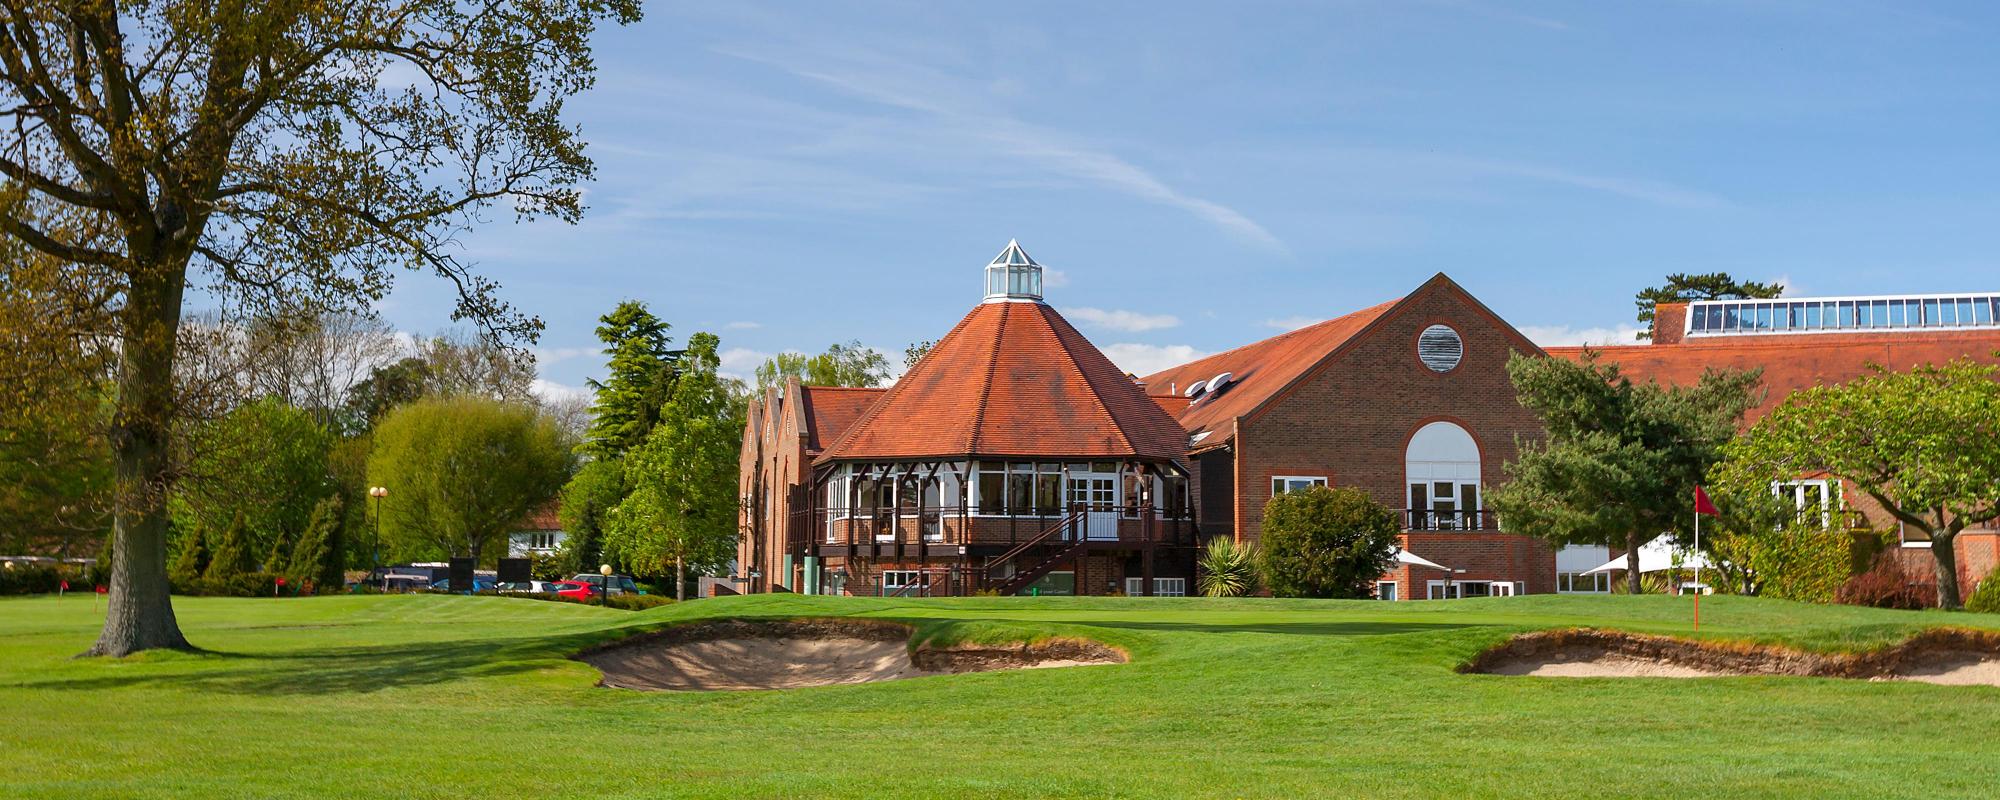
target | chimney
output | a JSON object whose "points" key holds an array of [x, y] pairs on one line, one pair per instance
{"points": [[1669, 322]]}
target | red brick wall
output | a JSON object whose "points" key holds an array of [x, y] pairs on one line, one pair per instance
{"points": [[1669, 322], [1352, 421]]}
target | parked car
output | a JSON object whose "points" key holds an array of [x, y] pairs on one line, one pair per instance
{"points": [[401, 583], [575, 590], [529, 587], [478, 585], [620, 584]]}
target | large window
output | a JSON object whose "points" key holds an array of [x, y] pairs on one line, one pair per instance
{"points": [[1721, 317], [1162, 587], [1583, 583], [905, 582], [1812, 498], [1283, 484], [1442, 465]]}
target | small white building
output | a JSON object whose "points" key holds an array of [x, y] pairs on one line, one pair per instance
{"points": [[538, 535]]}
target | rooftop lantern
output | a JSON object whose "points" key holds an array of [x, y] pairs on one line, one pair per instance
{"points": [[1013, 276]]}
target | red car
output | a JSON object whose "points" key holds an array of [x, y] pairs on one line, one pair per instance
{"points": [[587, 587], [574, 590]]}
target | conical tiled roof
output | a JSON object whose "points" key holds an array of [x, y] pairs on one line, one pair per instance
{"points": [[1013, 380]]}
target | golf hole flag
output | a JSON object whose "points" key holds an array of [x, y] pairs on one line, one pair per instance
{"points": [[1702, 507]]}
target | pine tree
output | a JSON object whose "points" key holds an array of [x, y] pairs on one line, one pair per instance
{"points": [[192, 562], [1682, 288], [642, 370], [316, 560], [232, 553]]}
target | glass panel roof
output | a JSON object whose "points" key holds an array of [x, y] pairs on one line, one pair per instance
{"points": [[1819, 315]]}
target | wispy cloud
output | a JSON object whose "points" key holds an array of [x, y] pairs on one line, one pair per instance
{"points": [[550, 391], [1567, 336], [740, 363], [555, 355], [743, 325], [1290, 323], [959, 110], [1146, 359], [1122, 320]]}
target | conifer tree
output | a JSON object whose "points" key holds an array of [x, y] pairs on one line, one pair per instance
{"points": [[642, 370], [192, 561], [232, 553], [316, 560]]}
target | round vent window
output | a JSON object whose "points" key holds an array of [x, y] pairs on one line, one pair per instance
{"points": [[1439, 348]]}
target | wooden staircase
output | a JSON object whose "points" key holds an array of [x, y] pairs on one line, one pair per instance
{"points": [[1066, 548]]}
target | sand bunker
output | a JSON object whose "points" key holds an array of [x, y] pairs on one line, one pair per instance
{"points": [[788, 654], [1952, 656]]}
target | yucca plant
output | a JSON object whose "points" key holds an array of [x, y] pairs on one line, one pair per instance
{"points": [[1227, 569]]}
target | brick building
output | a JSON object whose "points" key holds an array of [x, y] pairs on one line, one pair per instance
{"points": [[1016, 458], [1803, 342]]}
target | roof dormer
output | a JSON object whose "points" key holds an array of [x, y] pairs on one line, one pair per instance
{"points": [[1013, 276]]}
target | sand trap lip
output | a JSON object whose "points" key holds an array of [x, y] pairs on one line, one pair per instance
{"points": [[740, 654], [1950, 656]]}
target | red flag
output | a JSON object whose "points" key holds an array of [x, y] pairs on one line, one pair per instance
{"points": [[65, 585], [1702, 504]]}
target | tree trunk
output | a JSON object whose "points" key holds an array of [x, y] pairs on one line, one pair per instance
{"points": [[140, 615], [1947, 571], [1632, 562], [680, 579]]}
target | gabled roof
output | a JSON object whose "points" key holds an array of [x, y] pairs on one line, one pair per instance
{"points": [[831, 410], [1792, 362], [1012, 379], [1261, 371], [1014, 256], [1257, 371]]}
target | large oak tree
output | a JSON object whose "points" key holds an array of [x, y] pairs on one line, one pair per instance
{"points": [[278, 155]]}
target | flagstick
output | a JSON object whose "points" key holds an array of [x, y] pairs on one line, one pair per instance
{"points": [[1697, 571]]}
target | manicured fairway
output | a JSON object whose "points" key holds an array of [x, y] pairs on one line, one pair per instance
{"points": [[438, 696]]}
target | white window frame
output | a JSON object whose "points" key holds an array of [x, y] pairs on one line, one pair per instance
{"points": [[1162, 587], [1304, 482], [1433, 588], [1566, 582], [1797, 490], [922, 579], [1395, 593]]}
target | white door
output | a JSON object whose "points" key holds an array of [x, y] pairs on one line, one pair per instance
{"points": [[1098, 495]]}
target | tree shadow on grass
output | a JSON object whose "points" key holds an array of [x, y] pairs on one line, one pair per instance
{"points": [[1330, 628], [340, 670]]}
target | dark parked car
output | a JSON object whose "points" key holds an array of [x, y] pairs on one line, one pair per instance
{"points": [[478, 585]]}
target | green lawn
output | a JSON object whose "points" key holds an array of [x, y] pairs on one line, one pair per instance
{"points": [[421, 696]]}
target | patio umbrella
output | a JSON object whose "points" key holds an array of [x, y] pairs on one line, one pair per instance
{"points": [[1657, 555]]}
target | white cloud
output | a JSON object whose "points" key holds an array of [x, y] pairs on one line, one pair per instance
{"points": [[554, 392], [556, 355], [1053, 278], [1146, 359], [1122, 320], [1290, 323], [743, 325], [741, 363], [1566, 336]]}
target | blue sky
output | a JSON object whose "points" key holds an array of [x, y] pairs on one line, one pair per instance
{"points": [[1203, 175]]}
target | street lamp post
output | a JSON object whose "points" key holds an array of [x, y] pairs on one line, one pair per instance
{"points": [[375, 556], [605, 570]]}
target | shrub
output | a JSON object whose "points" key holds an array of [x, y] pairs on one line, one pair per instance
{"points": [[318, 558], [1227, 569], [1888, 585], [1327, 542], [637, 602], [190, 564], [1985, 597], [231, 556], [247, 584], [31, 578]]}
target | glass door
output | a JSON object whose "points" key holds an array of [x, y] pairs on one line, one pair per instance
{"points": [[1098, 496]]}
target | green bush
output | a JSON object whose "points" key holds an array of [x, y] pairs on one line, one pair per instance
{"points": [[32, 579], [1327, 542], [248, 584], [1227, 569], [1985, 597], [637, 602]]}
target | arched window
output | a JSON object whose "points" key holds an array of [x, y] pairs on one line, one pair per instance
{"points": [[1442, 469]]}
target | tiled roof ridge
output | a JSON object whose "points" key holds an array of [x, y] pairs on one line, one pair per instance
{"points": [[1274, 339], [1099, 392], [867, 418], [992, 365]]}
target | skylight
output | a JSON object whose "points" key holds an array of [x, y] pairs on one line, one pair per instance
{"points": [[1843, 314]]}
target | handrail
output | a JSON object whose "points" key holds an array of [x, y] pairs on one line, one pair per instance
{"points": [[1073, 517]]}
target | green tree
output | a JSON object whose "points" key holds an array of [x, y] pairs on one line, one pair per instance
{"points": [[256, 151], [461, 471], [267, 462], [1327, 542], [319, 559], [191, 562], [587, 501], [386, 387], [232, 553], [850, 364], [1621, 460], [1682, 288], [642, 369], [1924, 444], [681, 512], [1772, 547], [916, 351]]}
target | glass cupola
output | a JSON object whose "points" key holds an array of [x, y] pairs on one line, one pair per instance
{"points": [[1013, 276]]}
